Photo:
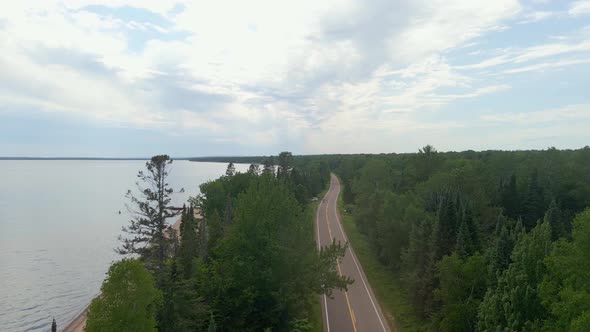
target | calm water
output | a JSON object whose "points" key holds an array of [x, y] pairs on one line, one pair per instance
{"points": [[59, 223]]}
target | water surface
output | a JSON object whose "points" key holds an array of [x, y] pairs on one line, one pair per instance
{"points": [[59, 222]]}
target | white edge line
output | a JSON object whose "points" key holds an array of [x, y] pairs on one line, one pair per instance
{"points": [[317, 223], [356, 264]]}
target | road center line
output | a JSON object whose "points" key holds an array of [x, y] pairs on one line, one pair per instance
{"points": [[358, 268], [338, 265]]}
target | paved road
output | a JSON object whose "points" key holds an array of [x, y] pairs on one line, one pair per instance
{"points": [[357, 309]]}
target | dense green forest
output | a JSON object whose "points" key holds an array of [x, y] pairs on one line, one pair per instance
{"points": [[481, 241], [250, 264]]}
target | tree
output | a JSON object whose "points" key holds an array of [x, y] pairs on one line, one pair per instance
{"points": [[533, 204], [419, 265], [510, 199], [285, 161], [53, 326], [254, 169], [268, 166], [514, 304], [267, 267], [150, 211], [231, 170], [127, 302], [554, 218], [461, 288], [566, 287], [215, 228], [188, 242]]}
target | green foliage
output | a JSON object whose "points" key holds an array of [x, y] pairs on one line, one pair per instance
{"points": [[53, 326], [267, 266], [461, 288], [188, 249], [417, 210], [514, 304], [127, 302], [566, 287], [149, 211]]}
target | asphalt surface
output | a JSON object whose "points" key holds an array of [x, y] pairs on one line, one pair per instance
{"points": [[354, 310]]}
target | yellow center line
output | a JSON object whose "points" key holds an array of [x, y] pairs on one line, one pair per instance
{"points": [[350, 312]]}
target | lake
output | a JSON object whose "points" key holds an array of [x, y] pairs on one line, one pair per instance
{"points": [[59, 222]]}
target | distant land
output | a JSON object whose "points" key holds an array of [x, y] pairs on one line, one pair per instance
{"points": [[70, 158]]}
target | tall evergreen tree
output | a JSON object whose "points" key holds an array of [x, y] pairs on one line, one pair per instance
{"points": [[53, 326], [554, 218], [188, 250], [533, 204], [510, 199], [254, 169], [231, 170], [149, 211], [285, 164]]}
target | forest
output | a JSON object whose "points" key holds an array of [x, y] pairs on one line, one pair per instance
{"points": [[480, 241], [250, 264]]}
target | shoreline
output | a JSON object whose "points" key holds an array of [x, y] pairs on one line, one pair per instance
{"points": [[78, 323]]}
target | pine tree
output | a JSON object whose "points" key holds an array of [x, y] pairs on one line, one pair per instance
{"points": [[268, 166], [254, 169], [554, 218], [231, 170], [53, 326], [533, 204], [510, 199], [285, 161], [188, 243], [150, 211]]}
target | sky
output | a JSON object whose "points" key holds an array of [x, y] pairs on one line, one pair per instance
{"points": [[134, 78]]}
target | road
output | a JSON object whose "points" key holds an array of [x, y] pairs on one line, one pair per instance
{"points": [[354, 310]]}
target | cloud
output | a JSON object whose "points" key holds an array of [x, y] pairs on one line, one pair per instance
{"points": [[567, 113], [517, 57], [580, 8], [264, 73]]}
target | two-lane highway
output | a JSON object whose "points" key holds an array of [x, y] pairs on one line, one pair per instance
{"points": [[357, 309]]}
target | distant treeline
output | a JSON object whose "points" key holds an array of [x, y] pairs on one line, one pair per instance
{"points": [[298, 160]]}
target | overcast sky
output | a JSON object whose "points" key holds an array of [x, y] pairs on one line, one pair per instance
{"points": [[135, 78]]}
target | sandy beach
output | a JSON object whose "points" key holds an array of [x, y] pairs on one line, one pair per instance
{"points": [[77, 325]]}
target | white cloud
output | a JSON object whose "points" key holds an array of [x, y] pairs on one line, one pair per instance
{"points": [[580, 8], [260, 71], [567, 113]]}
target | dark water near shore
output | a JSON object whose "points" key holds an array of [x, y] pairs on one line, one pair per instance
{"points": [[59, 223]]}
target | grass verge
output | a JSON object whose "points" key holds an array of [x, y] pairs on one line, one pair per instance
{"points": [[386, 286]]}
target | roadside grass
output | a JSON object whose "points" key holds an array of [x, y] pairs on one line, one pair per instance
{"points": [[387, 287]]}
